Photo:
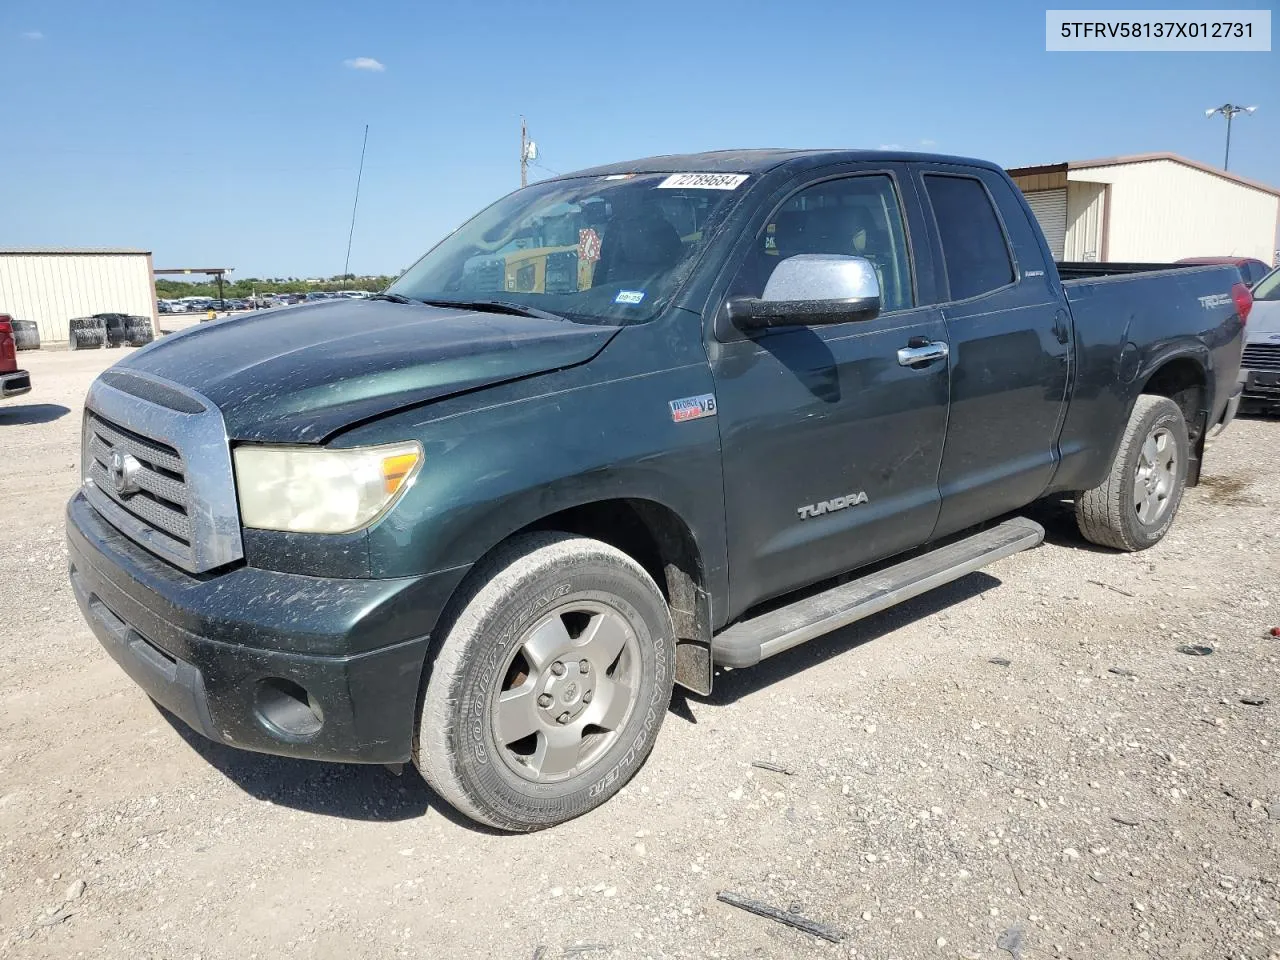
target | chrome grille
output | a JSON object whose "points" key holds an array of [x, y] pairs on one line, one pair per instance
{"points": [[1262, 356], [161, 500], [180, 500]]}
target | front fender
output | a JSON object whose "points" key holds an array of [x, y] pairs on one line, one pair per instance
{"points": [[498, 468]]}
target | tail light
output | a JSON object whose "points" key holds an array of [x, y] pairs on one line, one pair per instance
{"points": [[1244, 300]]}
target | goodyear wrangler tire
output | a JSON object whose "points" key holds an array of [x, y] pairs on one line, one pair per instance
{"points": [[550, 685]]}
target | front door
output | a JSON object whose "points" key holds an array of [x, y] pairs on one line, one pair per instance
{"points": [[831, 445]]}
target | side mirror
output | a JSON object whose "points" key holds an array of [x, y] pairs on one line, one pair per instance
{"points": [[809, 289]]}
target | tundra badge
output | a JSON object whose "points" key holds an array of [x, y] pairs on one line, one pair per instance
{"points": [[831, 506]]}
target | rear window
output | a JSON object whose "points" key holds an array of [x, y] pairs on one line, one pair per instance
{"points": [[973, 244]]}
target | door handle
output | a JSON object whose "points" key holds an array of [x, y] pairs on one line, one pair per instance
{"points": [[926, 353], [1060, 328]]}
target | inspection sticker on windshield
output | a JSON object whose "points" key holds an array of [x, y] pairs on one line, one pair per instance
{"points": [[691, 408], [703, 181], [629, 296]]}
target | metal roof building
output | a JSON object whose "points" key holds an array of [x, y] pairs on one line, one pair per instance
{"points": [[51, 285], [1150, 207]]}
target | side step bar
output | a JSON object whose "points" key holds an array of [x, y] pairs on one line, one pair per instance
{"points": [[748, 642]]}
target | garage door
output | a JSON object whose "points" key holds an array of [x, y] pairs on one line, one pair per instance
{"points": [[1050, 208]]}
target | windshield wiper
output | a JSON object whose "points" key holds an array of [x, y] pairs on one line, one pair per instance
{"points": [[393, 297], [495, 306]]}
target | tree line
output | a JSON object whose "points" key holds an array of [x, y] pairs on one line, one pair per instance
{"points": [[176, 289]]}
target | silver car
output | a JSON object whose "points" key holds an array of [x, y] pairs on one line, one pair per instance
{"points": [[1260, 368]]}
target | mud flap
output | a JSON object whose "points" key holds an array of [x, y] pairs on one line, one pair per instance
{"points": [[693, 666]]}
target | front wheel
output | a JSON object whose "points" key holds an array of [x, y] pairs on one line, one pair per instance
{"points": [[549, 688], [1134, 507]]}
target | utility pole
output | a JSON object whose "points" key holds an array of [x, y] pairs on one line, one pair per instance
{"points": [[1228, 110], [528, 152]]}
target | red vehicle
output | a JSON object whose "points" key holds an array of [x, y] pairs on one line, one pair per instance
{"points": [[1251, 268], [12, 380]]}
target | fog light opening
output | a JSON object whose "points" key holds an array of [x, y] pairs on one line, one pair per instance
{"points": [[287, 708]]}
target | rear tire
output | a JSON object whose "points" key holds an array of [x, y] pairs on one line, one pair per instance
{"points": [[1135, 506], [550, 686]]}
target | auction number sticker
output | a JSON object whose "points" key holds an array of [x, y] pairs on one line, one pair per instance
{"points": [[703, 181]]}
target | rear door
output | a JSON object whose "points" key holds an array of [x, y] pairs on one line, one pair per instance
{"points": [[1010, 337], [831, 445]]}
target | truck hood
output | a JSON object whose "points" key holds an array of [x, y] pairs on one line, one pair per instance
{"points": [[298, 375], [1264, 322]]}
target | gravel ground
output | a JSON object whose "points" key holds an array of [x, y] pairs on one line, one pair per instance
{"points": [[1021, 764]]}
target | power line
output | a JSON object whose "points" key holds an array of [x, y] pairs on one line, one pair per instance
{"points": [[356, 203]]}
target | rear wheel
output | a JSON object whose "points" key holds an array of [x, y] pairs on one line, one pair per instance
{"points": [[1134, 507], [550, 686]]}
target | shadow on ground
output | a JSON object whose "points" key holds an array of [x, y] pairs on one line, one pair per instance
{"points": [[733, 684], [32, 413], [347, 790]]}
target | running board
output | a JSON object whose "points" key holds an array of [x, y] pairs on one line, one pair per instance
{"points": [[748, 642]]}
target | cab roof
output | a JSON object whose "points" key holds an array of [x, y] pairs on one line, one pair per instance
{"points": [[760, 161]]}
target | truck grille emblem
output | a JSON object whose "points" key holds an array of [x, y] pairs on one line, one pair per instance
{"points": [[124, 473]]}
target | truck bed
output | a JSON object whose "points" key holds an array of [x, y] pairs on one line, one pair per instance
{"points": [[1079, 269]]}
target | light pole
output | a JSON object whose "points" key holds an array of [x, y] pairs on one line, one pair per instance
{"points": [[1228, 110]]}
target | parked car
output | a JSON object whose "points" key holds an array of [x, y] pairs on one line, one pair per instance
{"points": [[1260, 368], [1251, 269], [13, 381], [26, 334], [122, 329], [487, 529]]}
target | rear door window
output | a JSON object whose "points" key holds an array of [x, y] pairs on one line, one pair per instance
{"points": [[974, 249]]}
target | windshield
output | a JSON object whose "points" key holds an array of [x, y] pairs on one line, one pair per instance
{"points": [[1268, 288], [609, 249]]}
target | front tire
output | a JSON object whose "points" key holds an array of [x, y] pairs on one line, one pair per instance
{"points": [[550, 686], [1134, 507]]}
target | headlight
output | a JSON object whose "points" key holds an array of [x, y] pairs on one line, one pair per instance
{"points": [[314, 490]]}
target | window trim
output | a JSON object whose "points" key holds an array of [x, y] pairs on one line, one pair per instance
{"points": [[924, 173], [847, 175]]}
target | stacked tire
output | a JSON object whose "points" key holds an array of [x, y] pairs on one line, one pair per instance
{"points": [[138, 331], [26, 335], [86, 333]]}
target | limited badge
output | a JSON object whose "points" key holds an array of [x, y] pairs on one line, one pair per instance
{"points": [[693, 408]]}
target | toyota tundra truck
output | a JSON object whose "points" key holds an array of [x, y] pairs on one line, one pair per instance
{"points": [[487, 529]]}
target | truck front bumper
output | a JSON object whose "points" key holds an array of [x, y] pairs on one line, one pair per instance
{"points": [[1261, 385], [273, 662], [14, 384]]}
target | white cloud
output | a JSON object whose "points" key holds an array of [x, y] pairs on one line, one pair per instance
{"points": [[928, 143], [33, 35], [890, 146], [364, 63]]}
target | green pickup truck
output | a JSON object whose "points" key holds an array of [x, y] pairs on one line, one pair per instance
{"points": [[488, 529]]}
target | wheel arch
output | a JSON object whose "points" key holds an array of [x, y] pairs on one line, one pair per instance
{"points": [[1184, 378], [661, 541]]}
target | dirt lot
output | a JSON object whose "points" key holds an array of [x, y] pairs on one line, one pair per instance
{"points": [[1022, 764]]}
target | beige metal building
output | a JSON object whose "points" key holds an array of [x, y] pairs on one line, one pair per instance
{"points": [[1150, 207], [53, 285]]}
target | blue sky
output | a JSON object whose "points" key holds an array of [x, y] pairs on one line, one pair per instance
{"points": [[228, 133]]}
